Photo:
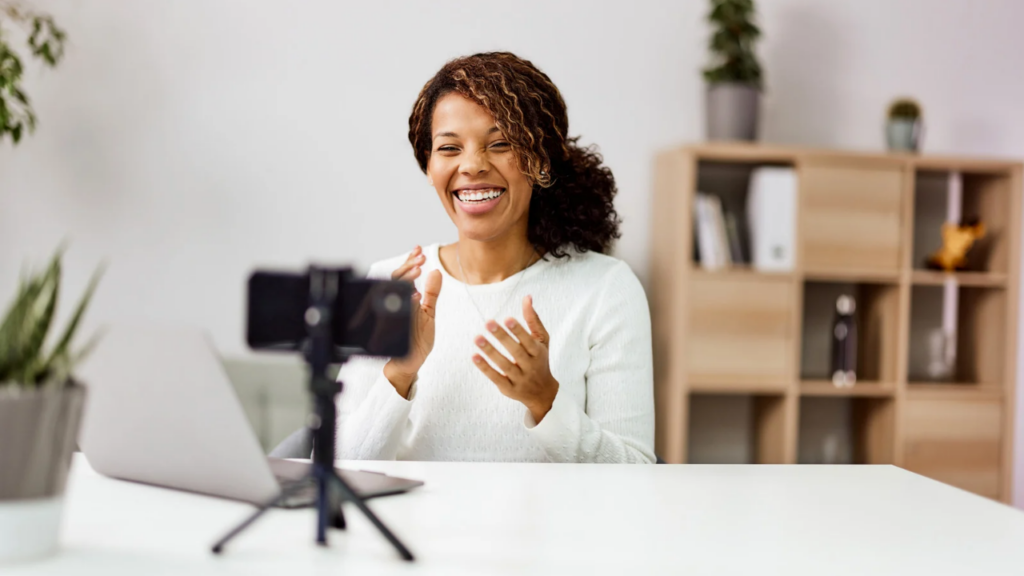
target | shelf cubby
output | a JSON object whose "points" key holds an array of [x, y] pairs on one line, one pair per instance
{"points": [[846, 431], [730, 182], [735, 428], [978, 325], [876, 317], [850, 216], [941, 196], [742, 331]]}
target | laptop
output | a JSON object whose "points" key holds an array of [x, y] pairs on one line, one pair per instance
{"points": [[160, 410]]}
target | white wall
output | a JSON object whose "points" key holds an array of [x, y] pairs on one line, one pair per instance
{"points": [[186, 142]]}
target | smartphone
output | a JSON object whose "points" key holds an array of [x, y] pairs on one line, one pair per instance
{"points": [[369, 317]]}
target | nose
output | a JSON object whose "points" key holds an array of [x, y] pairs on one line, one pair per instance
{"points": [[474, 163]]}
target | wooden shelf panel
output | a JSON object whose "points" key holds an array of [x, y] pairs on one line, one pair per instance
{"points": [[740, 272], [861, 389], [743, 152], [981, 279], [712, 386], [953, 391], [862, 276]]}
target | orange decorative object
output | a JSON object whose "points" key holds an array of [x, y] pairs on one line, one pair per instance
{"points": [[956, 242]]}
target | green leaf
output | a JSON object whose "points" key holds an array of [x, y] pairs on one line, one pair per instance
{"points": [[12, 331], [42, 316], [62, 347]]}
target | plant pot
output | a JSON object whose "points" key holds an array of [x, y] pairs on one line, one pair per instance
{"points": [[732, 111], [38, 430], [903, 134]]}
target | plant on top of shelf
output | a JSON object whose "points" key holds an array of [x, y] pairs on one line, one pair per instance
{"points": [[734, 76], [905, 108], [904, 125], [45, 41], [40, 411]]}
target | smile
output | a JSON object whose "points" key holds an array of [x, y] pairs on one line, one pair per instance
{"points": [[478, 201], [480, 196]]}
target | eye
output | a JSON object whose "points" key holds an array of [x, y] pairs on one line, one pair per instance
{"points": [[501, 145], [447, 148]]}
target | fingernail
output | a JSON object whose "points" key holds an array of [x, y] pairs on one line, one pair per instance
{"points": [[511, 323], [492, 326], [477, 359], [481, 341]]}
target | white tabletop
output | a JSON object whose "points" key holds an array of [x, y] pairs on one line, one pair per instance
{"points": [[562, 519]]}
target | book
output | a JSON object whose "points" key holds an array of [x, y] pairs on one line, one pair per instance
{"points": [[705, 232], [712, 238], [721, 236], [732, 231]]}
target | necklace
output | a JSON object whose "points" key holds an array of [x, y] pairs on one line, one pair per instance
{"points": [[465, 284]]}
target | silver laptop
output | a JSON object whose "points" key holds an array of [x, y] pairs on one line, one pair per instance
{"points": [[160, 410]]}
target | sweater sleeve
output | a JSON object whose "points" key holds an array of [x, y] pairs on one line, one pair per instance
{"points": [[372, 417], [617, 425]]}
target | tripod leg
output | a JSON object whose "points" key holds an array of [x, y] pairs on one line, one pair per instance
{"points": [[284, 495], [339, 519], [350, 495], [323, 510]]}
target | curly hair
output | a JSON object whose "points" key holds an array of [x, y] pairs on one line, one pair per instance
{"points": [[572, 203]]}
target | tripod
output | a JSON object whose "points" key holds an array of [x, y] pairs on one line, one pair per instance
{"points": [[330, 488]]}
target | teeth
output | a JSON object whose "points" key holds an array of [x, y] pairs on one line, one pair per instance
{"points": [[479, 195]]}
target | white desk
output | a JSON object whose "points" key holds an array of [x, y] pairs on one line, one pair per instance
{"points": [[479, 519]]}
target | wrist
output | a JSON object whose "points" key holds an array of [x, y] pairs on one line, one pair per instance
{"points": [[540, 409], [401, 379]]}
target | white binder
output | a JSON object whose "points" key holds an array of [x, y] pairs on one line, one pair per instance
{"points": [[771, 218]]}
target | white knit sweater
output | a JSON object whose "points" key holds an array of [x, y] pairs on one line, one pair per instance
{"points": [[600, 353]]}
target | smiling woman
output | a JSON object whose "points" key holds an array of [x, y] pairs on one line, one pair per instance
{"points": [[566, 375]]}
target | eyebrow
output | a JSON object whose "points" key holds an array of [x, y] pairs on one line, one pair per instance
{"points": [[454, 135]]}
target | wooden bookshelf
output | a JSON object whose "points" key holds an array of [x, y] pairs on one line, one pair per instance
{"points": [[756, 344]]}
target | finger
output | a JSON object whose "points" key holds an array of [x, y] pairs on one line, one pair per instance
{"points": [[415, 258], [533, 321], [404, 269], [503, 383], [432, 289], [515, 349], [411, 274], [499, 359], [527, 341]]}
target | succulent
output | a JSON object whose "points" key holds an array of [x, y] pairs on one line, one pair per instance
{"points": [[732, 43], [905, 108], [23, 331]]}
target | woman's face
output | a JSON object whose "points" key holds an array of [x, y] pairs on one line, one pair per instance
{"points": [[474, 171]]}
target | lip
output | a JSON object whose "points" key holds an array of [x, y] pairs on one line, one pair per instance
{"points": [[481, 186], [477, 208]]}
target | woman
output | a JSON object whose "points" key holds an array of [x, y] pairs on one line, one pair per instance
{"points": [[538, 346]]}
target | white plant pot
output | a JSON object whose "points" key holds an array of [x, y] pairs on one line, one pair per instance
{"points": [[38, 428], [29, 529]]}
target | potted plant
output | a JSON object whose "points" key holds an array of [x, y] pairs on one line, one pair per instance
{"points": [[903, 128], [40, 410], [46, 42], [734, 76]]}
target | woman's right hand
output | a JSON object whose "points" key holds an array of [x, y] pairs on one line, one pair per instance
{"points": [[401, 372]]}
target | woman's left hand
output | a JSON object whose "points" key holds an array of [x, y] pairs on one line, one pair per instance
{"points": [[528, 379]]}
